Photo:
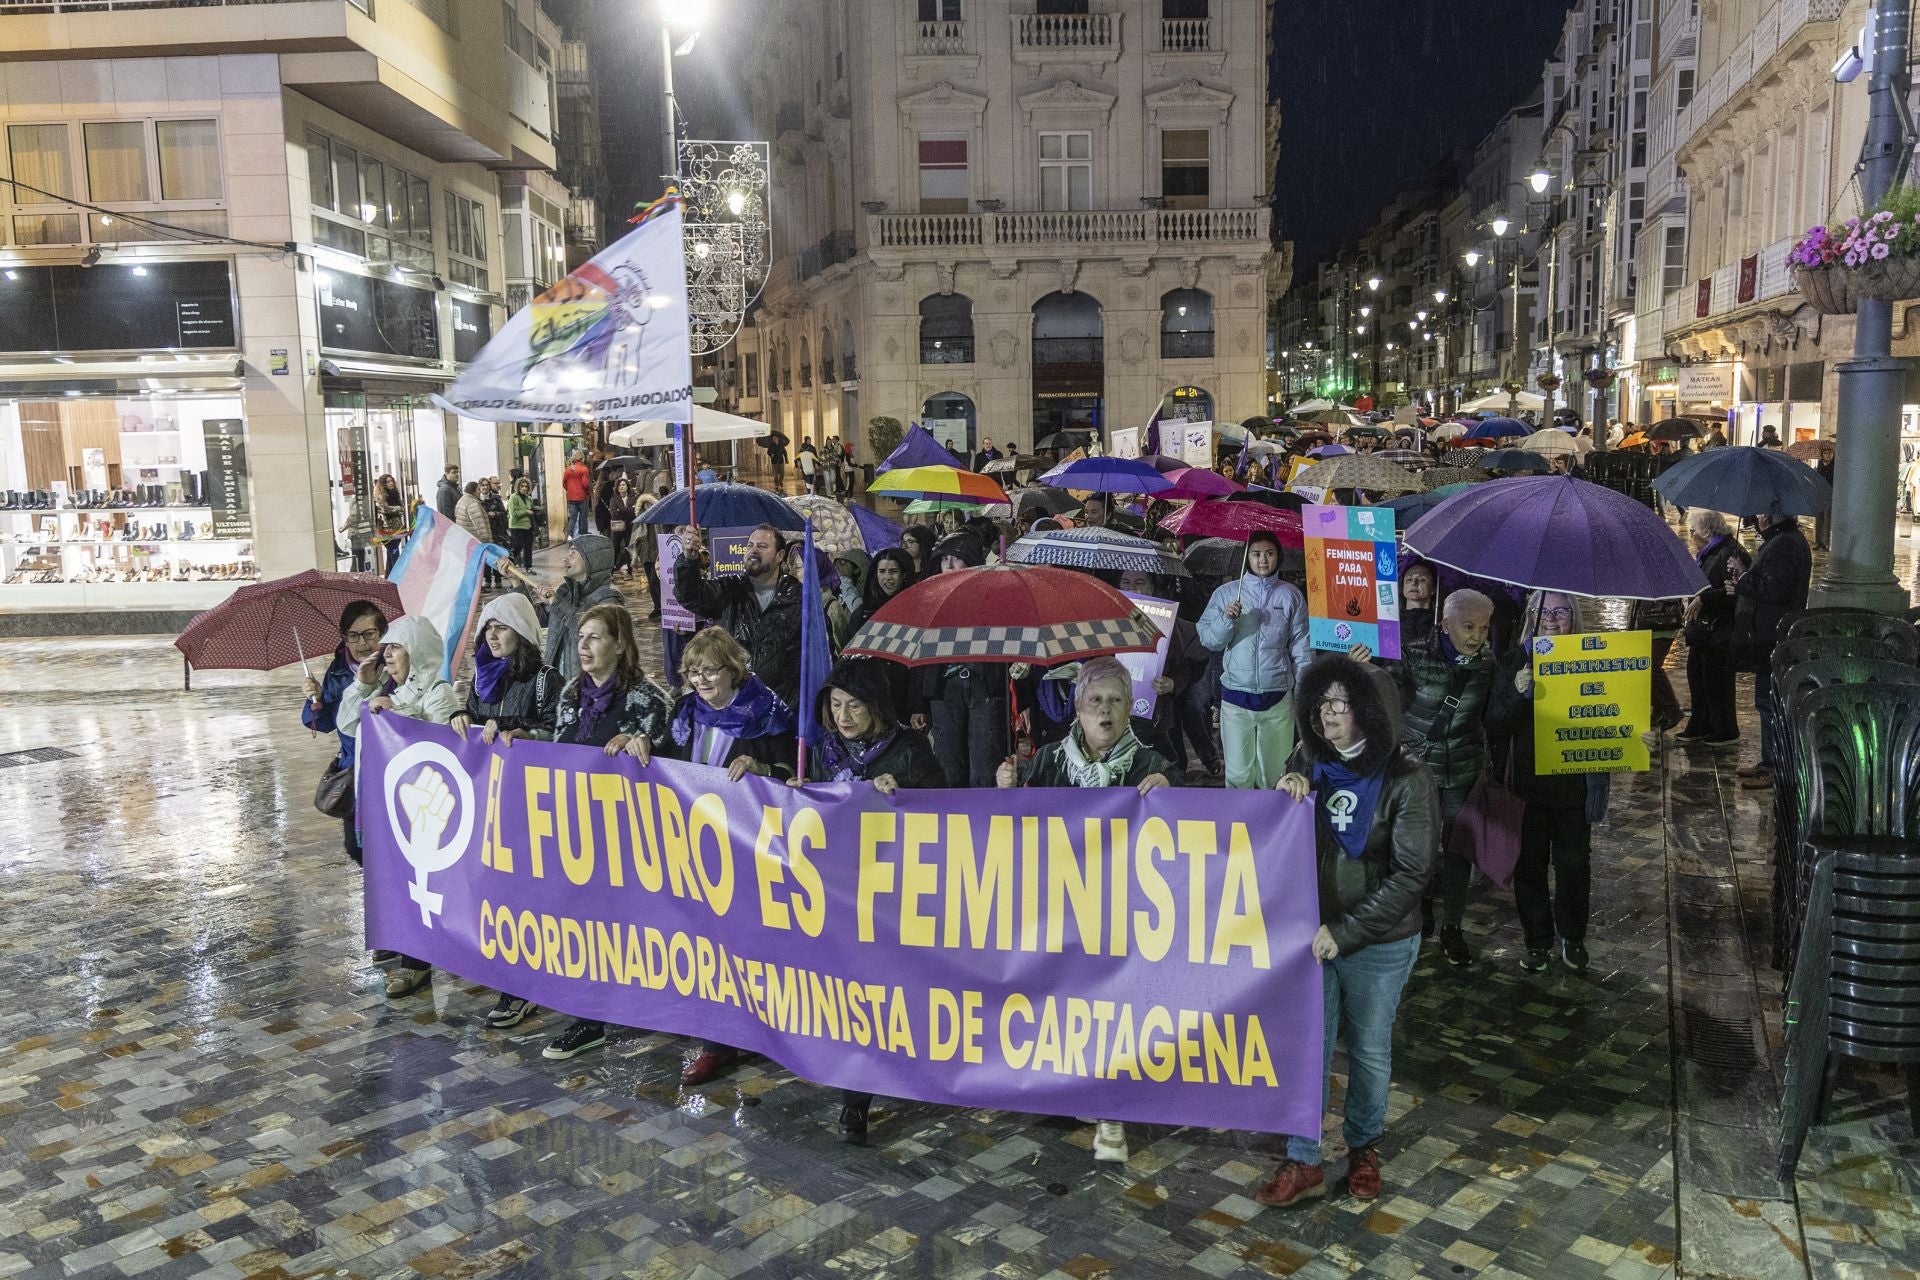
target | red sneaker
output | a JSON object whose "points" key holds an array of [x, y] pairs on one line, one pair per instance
{"points": [[1363, 1174], [709, 1064], [1293, 1182]]}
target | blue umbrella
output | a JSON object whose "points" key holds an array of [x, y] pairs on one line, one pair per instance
{"points": [[1409, 507], [1515, 460], [727, 506], [1107, 475], [918, 448], [1499, 429], [877, 533], [1742, 480], [1556, 533]]}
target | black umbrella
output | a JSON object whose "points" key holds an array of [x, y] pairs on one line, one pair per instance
{"points": [[1050, 501], [1676, 429], [1064, 441], [772, 440], [626, 462], [1278, 499], [1216, 558]]}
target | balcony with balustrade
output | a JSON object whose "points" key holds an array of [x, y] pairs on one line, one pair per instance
{"points": [[1785, 28], [1759, 283], [945, 38], [1043, 39], [1088, 230], [33, 29]]}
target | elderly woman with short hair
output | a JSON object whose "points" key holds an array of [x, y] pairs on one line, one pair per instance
{"points": [[1100, 750], [1708, 624]]}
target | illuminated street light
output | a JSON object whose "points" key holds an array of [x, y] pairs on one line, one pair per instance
{"points": [[1366, 311], [1421, 316], [1439, 295], [1538, 180], [1373, 283], [1472, 256], [1500, 226]]}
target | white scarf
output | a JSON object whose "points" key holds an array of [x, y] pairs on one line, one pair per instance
{"points": [[1109, 771]]}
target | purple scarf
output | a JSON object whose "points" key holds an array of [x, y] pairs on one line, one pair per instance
{"points": [[489, 673], [845, 761], [1713, 542], [594, 700], [755, 712]]}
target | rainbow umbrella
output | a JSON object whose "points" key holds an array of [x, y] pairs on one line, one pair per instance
{"points": [[938, 482]]}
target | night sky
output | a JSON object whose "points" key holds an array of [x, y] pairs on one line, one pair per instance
{"points": [[1372, 92]]}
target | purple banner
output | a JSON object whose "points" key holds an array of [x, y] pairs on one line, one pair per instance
{"points": [[1080, 953]]}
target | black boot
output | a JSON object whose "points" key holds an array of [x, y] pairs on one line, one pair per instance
{"points": [[853, 1118]]}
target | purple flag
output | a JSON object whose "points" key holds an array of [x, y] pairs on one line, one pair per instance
{"points": [[1062, 952], [816, 652], [1150, 443]]}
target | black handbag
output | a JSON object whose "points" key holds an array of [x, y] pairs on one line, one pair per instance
{"points": [[334, 795]]}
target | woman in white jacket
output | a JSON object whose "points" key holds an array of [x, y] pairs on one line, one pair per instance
{"points": [[404, 678], [1258, 622]]}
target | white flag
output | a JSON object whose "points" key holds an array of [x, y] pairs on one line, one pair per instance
{"points": [[607, 342]]}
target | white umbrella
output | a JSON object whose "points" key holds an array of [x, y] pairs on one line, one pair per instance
{"points": [[1501, 402], [1550, 441], [1313, 406], [709, 427], [1449, 431]]}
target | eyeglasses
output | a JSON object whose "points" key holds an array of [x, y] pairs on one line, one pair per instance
{"points": [[703, 673], [1335, 706], [363, 635], [1556, 615]]}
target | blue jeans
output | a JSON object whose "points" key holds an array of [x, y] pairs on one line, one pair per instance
{"points": [[1364, 986], [576, 518]]}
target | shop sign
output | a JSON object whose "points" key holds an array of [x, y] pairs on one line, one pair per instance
{"points": [[1707, 382], [472, 329], [365, 315], [130, 305], [227, 488]]}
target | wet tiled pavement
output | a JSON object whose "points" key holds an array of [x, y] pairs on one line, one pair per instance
{"points": [[200, 1077]]}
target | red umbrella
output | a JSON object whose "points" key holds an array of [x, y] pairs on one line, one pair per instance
{"points": [[265, 625], [1236, 520], [1005, 613]]}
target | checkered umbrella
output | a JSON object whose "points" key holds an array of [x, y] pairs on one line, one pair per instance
{"points": [[265, 625], [1095, 549], [1005, 613], [1359, 471]]}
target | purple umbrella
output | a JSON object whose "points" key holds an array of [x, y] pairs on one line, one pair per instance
{"points": [[918, 448], [1328, 451], [1107, 475], [876, 531], [1555, 533]]}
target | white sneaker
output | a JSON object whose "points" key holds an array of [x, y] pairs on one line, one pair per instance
{"points": [[1110, 1142]]}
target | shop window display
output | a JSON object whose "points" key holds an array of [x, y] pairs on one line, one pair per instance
{"points": [[128, 489]]}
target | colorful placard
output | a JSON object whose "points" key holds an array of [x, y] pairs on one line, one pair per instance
{"points": [[1353, 579], [1592, 699]]}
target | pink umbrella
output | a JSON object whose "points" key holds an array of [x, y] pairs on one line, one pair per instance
{"points": [[1198, 482], [1236, 520]]}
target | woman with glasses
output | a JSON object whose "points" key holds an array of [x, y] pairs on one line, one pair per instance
{"points": [[728, 720], [611, 705], [1555, 834], [1100, 750], [1376, 838], [362, 625]]}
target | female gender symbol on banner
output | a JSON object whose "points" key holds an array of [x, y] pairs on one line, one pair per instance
{"points": [[429, 801]]}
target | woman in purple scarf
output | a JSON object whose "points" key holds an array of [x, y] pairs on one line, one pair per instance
{"points": [[611, 705], [731, 720]]}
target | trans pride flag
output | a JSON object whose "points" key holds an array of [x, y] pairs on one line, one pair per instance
{"points": [[438, 574]]}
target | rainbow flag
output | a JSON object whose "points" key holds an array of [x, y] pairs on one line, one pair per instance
{"points": [[438, 574]]}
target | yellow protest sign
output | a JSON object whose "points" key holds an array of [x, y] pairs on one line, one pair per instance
{"points": [[1592, 700]]}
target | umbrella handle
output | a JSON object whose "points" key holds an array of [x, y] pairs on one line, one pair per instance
{"points": [[186, 667]]}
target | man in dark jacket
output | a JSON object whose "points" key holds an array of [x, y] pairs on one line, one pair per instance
{"points": [[589, 581], [760, 607], [446, 495], [1444, 679], [1774, 587], [1377, 825]]}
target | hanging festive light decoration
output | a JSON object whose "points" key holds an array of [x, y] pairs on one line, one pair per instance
{"points": [[727, 187]]}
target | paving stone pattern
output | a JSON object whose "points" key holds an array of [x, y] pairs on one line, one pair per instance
{"points": [[200, 1077]]}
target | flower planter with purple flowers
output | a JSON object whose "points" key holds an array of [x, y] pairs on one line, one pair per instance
{"points": [[1873, 256]]}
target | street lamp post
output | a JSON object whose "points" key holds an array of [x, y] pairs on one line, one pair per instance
{"points": [[1859, 571]]}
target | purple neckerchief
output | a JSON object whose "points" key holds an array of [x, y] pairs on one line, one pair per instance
{"points": [[489, 672], [849, 762], [1701, 558], [755, 712], [594, 700]]}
